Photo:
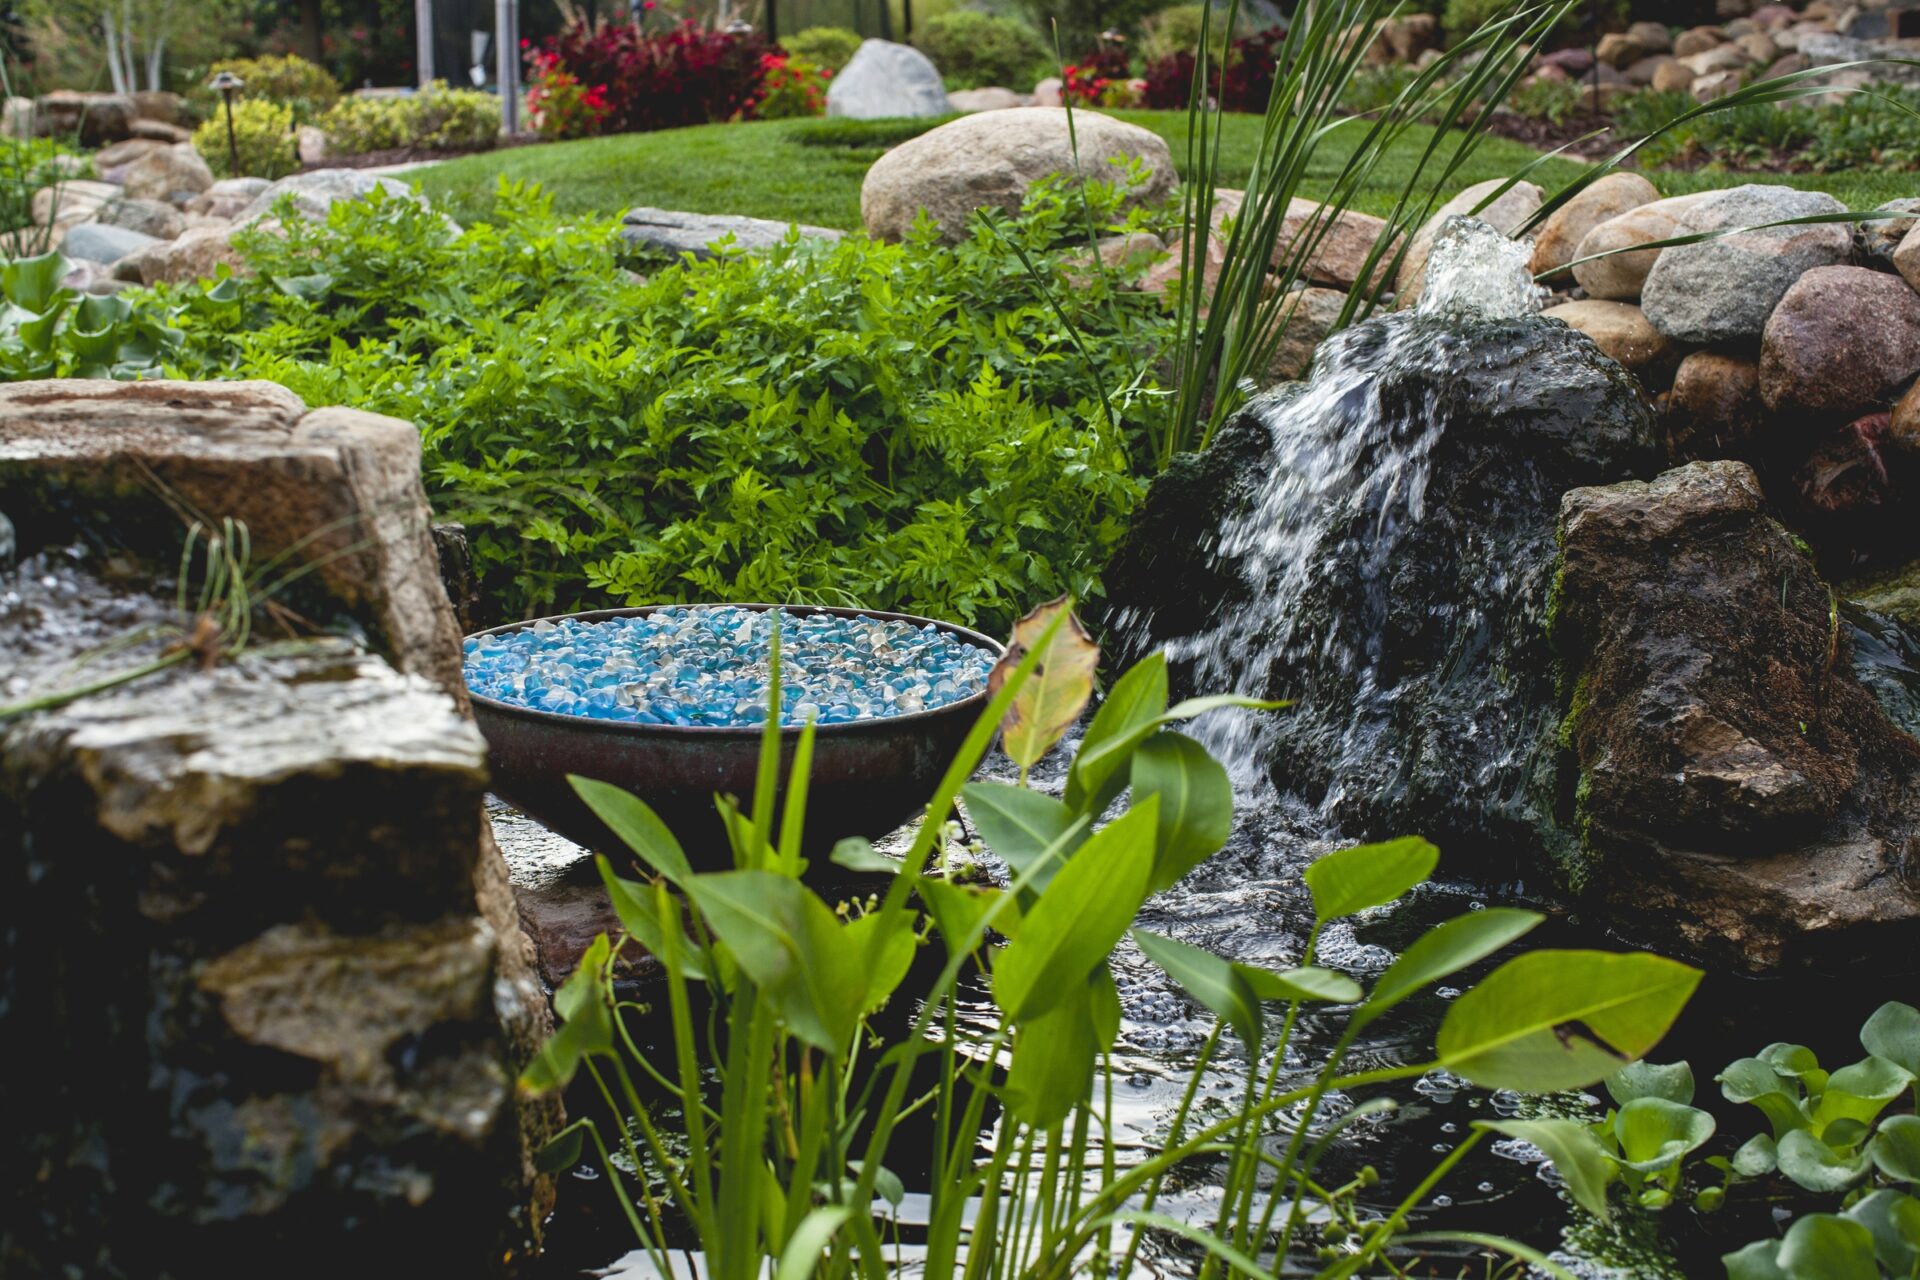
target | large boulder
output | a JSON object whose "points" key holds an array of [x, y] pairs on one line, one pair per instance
{"points": [[1733, 790], [988, 160], [1307, 318], [668, 232], [1506, 212], [156, 218], [318, 190], [883, 80], [197, 254], [1559, 238], [175, 174], [71, 201], [1622, 272], [93, 119], [1723, 290], [1842, 340], [98, 242]]}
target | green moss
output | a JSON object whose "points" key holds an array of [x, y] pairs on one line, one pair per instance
{"points": [[1576, 707]]}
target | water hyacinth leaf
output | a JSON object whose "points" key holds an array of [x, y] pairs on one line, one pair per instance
{"points": [[1076, 922], [1757, 1261], [1654, 1133], [1816, 1166], [1209, 979], [1893, 1220], [790, 944], [637, 825], [1896, 1148], [1446, 949], [638, 909], [1860, 1092], [1196, 804], [1552, 1020], [1310, 983], [1756, 1157], [1051, 1071], [1368, 875], [1893, 1033], [1672, 1081], [1824, 1246], [1794, 1060], [1753, 1081], [1020, 825], [1136, 702], [1576, 1154], [856, 853], [1058, 690]]}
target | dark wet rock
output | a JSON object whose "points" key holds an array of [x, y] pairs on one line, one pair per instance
{"points": [[1841, 340], [1731, 788], [1715, 410], [1413, 641], [1849, 490], [563, 918], [1877, 240], [455, 556]]}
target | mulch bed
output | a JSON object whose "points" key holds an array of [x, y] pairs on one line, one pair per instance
{"points": [[1545, 135]]}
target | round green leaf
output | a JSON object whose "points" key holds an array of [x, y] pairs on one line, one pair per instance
{"points": [[1368, 875], [1814, 1165], [1893, 1220], [1756, 1157], [1672, 1081], [1822, 1246], [1859, 1092], [1654, 1133], [1896, 1148], [1757, 1261], [1893, 1033]]}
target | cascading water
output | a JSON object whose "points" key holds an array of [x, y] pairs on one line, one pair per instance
{"points": [[1377, 543]]}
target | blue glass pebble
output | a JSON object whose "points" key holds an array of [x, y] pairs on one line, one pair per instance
{"points": [[708, 665]]}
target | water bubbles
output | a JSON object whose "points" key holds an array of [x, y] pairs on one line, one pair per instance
{"points": [[710, 665], [1475, 269]]}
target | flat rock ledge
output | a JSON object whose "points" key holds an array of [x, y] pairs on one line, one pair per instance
{"points": [[670, 232]]}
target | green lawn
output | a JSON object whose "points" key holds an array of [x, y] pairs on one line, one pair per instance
{"points": [[810, 170]]}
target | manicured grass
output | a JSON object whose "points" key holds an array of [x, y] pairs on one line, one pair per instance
{"points": [[781, 170]]}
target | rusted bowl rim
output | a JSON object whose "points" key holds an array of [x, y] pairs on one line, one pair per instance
{"points": [[876, 724]]}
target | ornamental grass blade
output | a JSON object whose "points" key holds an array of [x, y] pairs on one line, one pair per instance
{"points": [[1056, 693]]}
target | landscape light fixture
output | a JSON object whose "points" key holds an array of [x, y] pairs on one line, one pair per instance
{"points": [[226, 84]]}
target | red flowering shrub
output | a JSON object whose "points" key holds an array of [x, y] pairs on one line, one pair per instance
{"points": [[558, 105], [683, 75], [1089, 79], [790, 86], [1249, 78]]}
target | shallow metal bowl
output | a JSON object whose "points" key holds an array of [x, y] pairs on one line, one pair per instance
{"points": [[868, 777]]}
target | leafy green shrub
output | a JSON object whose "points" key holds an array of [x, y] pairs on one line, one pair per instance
{"points": [[48, 331], [1865, 130], [1549, 100], [358, 125], [791, 87], [974, 49], [1374, 88], [27, 165], [891, 425], [262, 137], [1176, 29], [829, 47], [290, 80], [437, 117]]}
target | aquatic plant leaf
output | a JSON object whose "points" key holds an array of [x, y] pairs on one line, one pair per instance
{"points": [[1051, 1070], [856, 853], [1096, 777], [1575, 1152], [1893, 1220], [1672, 1081], [1058, 690], [1446, 949], [791, 945], [1860, 1092], [1896, 1148], [1757, 1261], [1136, 703], [810, 1239], [581, 1003], [1209, 979], [1824, 1246], [1551, 1020], [887, 963], [1103, 1004], [1196, 803], [1794, 1060], [957, 910], [1756, 1157], [1893, 1033], [1816, 1166], [1310, 983], [1368, 875], [1020, 825], [33, 283], [1654, 1132], [630, 818], [562, 1150], [1073, 926], [639, 910]]}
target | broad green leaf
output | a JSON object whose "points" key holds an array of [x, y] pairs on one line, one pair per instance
{"points": [[1368, 875], [1103, 1005], [809, 1240], [33, 283], [639, 911], [1103, 760], [1076, 922], [629, 817], [1051, 1071], [1020, 824], [1860, 1092], [1756, 1157], [856, 853], [1575, 1152], [1757, 1261], [1136, 702], [1792, 1060], [793, 948], [562, 1150], [1654, 1133], [1672, 1081], [1893, 1033], [895, 954], [1814, 1165], [1443, 950], [1752, 1080], [1056, 693], [958, 908], [1310, 983], [1551, 1020], [1893, 1220], [1209, 979], [1196, 803], [1896, 1148], [1822, 1246]]}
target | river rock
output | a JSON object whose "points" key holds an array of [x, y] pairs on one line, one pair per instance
{"points": [[1646, 71], [988, 160], [1617, 49], [227, 198], [1623, 272], [1906, 258], [160, 131], [197, 254], [155, 218], [1309, 316], [665, 231], [112, 157], [1876, 241], [1715, 410], [1654, 37], [1558, 239], [1671, 76], [175, 174], [1697, 40], [93, 119], [1735, 793], [1722, 291], [1513, 207], [71, 201], [1889, 57], [1619, 329], [1842, 340], [992, 98], [98, 242], [883, 80]]}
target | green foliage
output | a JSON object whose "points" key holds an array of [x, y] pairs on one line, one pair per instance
{"points": [[49, 331], [1176, 29], [1549, 100], [27, 165], [789, 1098], [1867, 130], [1375, 88], [893, 426], [437, 118], [1462, 18], [974, 49], [262, 138], [829, 47], [304, 88], [1654, 1130]]}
